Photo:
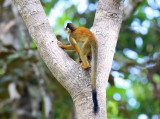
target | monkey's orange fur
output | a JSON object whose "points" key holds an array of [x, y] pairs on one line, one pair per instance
{"points": [[89, 47], [81, 35]]}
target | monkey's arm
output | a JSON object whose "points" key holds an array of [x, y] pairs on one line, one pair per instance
{"points": [[73, 46], [65, 47]]}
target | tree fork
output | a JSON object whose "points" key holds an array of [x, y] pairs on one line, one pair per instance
{"points": [[76, 80]]}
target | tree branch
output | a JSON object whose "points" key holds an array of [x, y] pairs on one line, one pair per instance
{"points": [[5, 102], [59, 63], [131, 7], [107, 24]]}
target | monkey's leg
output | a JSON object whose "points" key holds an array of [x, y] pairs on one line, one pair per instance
{"points": [[77, 50], [84, 52], [65, 47], [68, 47], [89, 56], [75, 45]]}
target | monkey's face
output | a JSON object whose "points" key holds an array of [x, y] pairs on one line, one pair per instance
{"points": [[70, 28], [67, 30]]}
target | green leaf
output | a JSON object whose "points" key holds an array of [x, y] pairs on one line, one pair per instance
{"points": [[33, 45], [2, 71], [156, 78], [112, 107]]}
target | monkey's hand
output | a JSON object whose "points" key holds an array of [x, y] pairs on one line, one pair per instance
{"points": [[60, 44], [65, 47]]}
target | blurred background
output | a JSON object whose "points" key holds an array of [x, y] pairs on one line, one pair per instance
{"points": [[28, 88]]}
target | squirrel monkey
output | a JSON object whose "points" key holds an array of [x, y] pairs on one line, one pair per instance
{"points": [[89, 47]]}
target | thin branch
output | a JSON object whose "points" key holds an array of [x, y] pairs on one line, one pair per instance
{"points": [[6, 102], [13, 93], [46, 97], [8, 26], [131, 7]]}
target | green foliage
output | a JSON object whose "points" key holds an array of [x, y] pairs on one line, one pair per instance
{"points": [[156, 78]]}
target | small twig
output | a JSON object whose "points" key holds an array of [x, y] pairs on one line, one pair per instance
{"points": [[8, 26], [46, 97], [131, 7], [6, 102]]}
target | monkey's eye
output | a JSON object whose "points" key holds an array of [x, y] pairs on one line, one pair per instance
{"points": [[67, 29]]}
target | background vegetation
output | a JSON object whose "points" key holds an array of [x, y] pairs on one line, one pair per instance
{"points": [[133, 90]]}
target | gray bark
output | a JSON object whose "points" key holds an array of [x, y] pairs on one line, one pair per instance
{"points": [[76, 80]]}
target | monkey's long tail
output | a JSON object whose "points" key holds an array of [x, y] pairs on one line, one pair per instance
{"points": [[93, 77]]}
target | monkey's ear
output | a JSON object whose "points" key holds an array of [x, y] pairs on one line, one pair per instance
{"points": [[66, 23], [69, 25]]}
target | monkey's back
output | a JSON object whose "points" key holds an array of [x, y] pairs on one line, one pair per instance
{"points": [[82, 34]]}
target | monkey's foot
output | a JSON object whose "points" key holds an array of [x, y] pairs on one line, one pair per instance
{"points": [[85, 66]]}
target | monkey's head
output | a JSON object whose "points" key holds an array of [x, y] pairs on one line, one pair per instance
{"points": [[70, 28]]}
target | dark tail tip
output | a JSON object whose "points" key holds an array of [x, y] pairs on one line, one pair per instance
{"points": [[95, 101]]}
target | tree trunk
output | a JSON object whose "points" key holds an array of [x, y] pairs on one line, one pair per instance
{"points": [[76, 80]]}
